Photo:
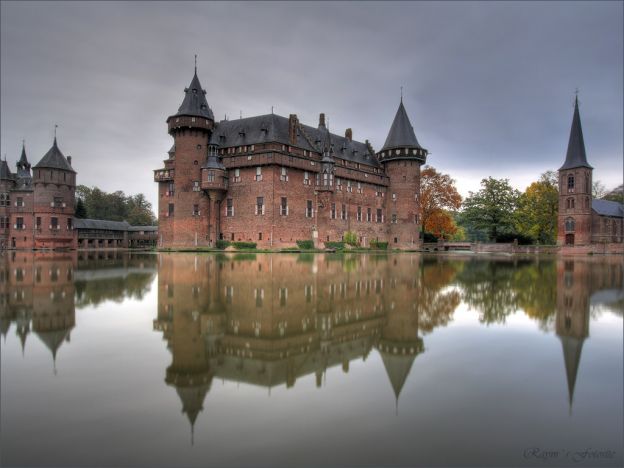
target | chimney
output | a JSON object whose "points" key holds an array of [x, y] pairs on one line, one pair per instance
{"points": [[69, 160], [321, 120], [293, 123], [349, 134]]}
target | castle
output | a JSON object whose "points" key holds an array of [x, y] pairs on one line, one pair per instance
{"points": [[272, 180]]}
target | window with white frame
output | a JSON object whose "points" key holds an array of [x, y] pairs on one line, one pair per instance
{"points": [[237, 175], [379, 215], [343, 213], [349, 187], [260, 205], [338, 183], [394, 218], [284, 207], [309, 209], [359, 187], [369, 216], [284, 174], [229, 207], [359, 213], [258, 173], [306, 178]]}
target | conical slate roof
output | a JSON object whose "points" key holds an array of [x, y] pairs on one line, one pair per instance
{"points": [[576, 157], [5, 171], [572, 348], [401, 133], [54, 159], [398, 367], [194, 103]]}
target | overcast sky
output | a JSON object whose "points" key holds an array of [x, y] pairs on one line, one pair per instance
{"points": [[489, 87]]}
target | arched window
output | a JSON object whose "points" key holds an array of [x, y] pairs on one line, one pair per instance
{"points": [[569, 224], [571, 183], [570, 203]]}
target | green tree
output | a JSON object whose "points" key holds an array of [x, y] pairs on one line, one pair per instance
{"points": [[81, 211], [492, 208], [536, 216], [116, 206]]}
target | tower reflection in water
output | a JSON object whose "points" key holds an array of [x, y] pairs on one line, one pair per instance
{"points": [[268, 320], [40, 291]]}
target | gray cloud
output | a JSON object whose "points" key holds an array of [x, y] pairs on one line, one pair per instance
{"points": [[488, 86]]}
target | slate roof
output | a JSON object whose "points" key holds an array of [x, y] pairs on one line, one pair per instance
{"points": [[273, 127], [576, 157], [608, 208], [54, 159], [143, 228], [80, 223], [5, 171], [401, 134], [194, 103]]}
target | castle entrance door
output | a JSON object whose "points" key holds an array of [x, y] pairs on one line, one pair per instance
{"points": [[569, 239]]}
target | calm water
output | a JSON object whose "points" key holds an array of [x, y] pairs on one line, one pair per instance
{"points": [[290, 360]]}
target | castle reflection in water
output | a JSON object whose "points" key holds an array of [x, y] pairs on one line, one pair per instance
{"points": [[269, 320]]}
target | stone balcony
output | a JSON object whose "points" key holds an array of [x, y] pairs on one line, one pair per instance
{"points": [[163, 175]]}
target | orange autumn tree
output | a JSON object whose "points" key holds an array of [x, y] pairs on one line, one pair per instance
{"points": [[440, 224], [437, 194]]}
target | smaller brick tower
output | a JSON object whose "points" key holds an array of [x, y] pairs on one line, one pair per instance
{"points": [[575, 190], [402, 157], [54, 180], [22, 221], [181, 198]]}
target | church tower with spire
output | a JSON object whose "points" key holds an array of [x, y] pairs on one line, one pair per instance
{"points": [[402, 156], [183, 206], [575, 190]]}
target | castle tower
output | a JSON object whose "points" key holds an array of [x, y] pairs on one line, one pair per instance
{"points": [[7, 183], [402, 157], [54, 180], [182, 203], [575, 184]]}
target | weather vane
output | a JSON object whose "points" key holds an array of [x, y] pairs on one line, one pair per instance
{"points": [[195, 63], [55, 127], [401, 93]]}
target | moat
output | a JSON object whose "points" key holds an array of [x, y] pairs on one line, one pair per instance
{"points": [[181, 359]]}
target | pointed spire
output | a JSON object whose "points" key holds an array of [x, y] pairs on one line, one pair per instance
{"points": [[575, 156], [572, 348], [195, 103], [401, 134]]}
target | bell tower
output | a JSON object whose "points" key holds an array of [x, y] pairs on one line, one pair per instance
{"points": [[402, 157], [182, 204], [575, 189]]}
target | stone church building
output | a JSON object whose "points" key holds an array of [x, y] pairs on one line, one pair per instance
{"points": [[583, 221], [273, 180]]}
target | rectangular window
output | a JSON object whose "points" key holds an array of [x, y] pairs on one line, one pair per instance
{"points": [[229, 207], [170, 189], [195, 210], [19, 223], [394, 218], [309, 209], [58, 202], [349, 188], [333, 211], [196, 187], [211, 176], [306, 178], [4, 224], [38, 222], [260, 205], [369, 216], [170, 212], [19, 201], [5, 199], [237, 175], [284, 207], [258, 173], [259, 236], [70, 225], [338, 183], [359, 187], [284, 175], [54, 223], [394, 197], [343, 213], [416, 218], [359, 213], [379, 215]]}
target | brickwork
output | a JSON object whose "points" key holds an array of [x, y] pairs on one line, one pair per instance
{"points": [[575, 200]]}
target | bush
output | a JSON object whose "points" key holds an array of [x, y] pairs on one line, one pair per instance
{"points": [[334, 245], [222, 244], [244, 245], [511, 236], [350, 238], [375, 244], [305, 244], [428, 238]]}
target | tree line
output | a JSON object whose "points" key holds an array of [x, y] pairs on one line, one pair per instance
{"points": [[93, 203], [497, 212]]}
